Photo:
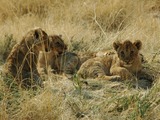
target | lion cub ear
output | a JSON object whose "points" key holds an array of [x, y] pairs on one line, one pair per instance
{"points": [[37, 34], [138, 44], [116, 45]]}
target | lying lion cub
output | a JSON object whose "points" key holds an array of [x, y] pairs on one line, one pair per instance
{"points": [[67, 63], [123, 65]]}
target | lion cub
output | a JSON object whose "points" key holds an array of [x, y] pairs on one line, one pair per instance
{"points": [[67, 62], [123, 65], [21, 64], [46, 59]]}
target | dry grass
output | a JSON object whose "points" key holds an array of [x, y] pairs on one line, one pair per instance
{"points": [[86, 26]]}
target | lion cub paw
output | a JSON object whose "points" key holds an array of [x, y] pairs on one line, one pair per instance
{"points": [[115, 78], [112, 78]]}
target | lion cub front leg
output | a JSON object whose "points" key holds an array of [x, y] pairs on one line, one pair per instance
{"points": [[106, 77], [111, 78], [122, 72]]}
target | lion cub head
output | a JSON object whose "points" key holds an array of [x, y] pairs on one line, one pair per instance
{"points": [[37, 40], [58, 45], [127, 51]]}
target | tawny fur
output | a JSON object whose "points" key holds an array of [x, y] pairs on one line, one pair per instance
{"points": [[61, 62], [113, 52], [46, 59], [67, 63], [105, 53], [21, 63], [123, 65], [84, 56]]}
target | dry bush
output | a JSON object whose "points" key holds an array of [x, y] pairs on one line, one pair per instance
{"points": [[21, 105], [17, 8], [40, 107], [6, 46], [110, 15]]}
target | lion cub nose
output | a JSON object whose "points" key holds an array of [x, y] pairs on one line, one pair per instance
{"points": [[127, 61]]}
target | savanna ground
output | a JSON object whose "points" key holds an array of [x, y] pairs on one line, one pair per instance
{"points": [[86, 25]]}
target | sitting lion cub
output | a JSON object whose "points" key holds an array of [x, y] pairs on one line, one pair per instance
{"points": [[45, 59], [124, 64], [21, 64]]}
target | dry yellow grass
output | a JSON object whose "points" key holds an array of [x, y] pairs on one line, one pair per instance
{"points": [[85, 26]]}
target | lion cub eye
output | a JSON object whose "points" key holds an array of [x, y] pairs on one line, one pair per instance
{"points": [[57, 43]]}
